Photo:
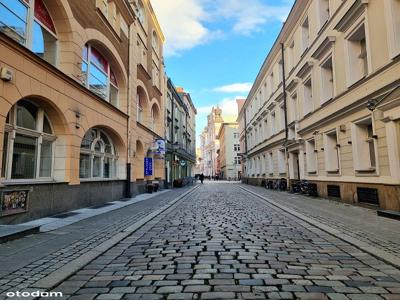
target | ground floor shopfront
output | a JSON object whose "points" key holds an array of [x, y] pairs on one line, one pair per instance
{"points": [[179, 166]]}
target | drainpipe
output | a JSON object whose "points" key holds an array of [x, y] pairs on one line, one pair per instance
{"points": [[128, 193], [286, 118]]}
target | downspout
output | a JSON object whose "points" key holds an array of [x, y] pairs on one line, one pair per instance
{"points": [[172, 140], [286, 118], [128, 193]]}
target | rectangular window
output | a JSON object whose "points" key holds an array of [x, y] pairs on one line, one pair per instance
{"points": [[24, 158], [291, 56], [311, 157], [236, 147], [305, 35], [282, 117], [293, 108], [393, 25], [327, 80], [363, 142], [358, 55], [281, 162], [271, 163], [46, 159], [13, 20], [308, 97], [324, 12], [97, 166], [273, 123], [331, 152], [84, 166]]}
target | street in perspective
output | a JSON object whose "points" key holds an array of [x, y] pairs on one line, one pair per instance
{"points": [[199, 149]]}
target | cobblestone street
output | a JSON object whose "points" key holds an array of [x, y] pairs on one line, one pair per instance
{"points": [[221, 242]]}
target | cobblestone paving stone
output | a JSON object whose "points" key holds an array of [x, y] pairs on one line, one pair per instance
{"points": [[358, 222], [223, 243], [24, 277]]}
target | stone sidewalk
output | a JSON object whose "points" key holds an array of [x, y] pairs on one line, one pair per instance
{"points": [[224, 243], [25, 261], [359, 222]]}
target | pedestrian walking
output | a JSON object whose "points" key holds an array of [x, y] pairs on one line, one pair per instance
{"points": [[201, 178]]}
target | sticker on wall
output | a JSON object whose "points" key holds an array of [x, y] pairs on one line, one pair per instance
{"points": [[14, 202]]}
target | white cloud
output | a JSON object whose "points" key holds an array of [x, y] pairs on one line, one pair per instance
{"points": [[251, 15], [234, 88], [185, 22], [182, 24]]}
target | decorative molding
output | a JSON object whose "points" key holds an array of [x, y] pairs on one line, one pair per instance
{"points": [[352, 14], [325, 46], [305, 70]]}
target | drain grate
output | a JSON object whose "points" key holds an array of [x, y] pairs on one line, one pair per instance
{"points": [[101, 205], [65, 215]]}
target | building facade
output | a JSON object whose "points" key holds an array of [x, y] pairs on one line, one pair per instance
{"points": [[210, 143], [81, 104], [229, 151], [180, 135], [325, 105]]}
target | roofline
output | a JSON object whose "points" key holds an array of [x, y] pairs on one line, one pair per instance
{"points": [[286, 26], [155, 20]]}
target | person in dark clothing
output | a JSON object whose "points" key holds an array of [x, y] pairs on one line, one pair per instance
{"points": [[201, 178]]}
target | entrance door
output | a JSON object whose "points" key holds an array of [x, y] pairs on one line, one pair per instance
{"points": [[295, 165]]}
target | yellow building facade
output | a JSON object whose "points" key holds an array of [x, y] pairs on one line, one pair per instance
{"points": [[81, 104], [325, 105]]}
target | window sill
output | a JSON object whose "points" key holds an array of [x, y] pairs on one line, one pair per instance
{"points": [[27, 182], [99, 179]]}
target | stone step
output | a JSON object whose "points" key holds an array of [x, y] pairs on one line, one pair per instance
{"points": [[12, 232]]}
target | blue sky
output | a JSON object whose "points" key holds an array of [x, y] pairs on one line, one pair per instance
{"points": [[215, 48]]}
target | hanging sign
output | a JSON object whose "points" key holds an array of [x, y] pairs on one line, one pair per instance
{"points": [[160, 147], [148, 166]]}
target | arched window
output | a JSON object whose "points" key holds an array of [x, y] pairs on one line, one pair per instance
{"points": [[141, 104], [98, 157], [28, 143], [141, 13], [29, 23], [154, 41], [98, 76], [154, 117]]}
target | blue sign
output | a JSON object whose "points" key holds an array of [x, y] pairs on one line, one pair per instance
{"points": [[148, 166]]}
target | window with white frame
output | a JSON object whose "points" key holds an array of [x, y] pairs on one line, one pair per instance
{"points": [[327, 81], [235, 135], [311, 157], [324, 12], [281, 161], [141, 15], [282, 117], [308, 96], [266, 129], [98, 158], [98, 76], [271, 83], [271, 163], [29, 23], [154, 117], [364, 144], [331, 148], [280, 71], [393, 26], [28, 143], [258, 165], [273, 123], [293, 108], [305, 35], [236, 147], [357, 55], [238, 160], [291, 56], [255, 136]]}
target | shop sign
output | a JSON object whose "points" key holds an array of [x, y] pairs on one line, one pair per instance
{"points": [[183, 163], [14, 202], [160, 147], [148, 166]]}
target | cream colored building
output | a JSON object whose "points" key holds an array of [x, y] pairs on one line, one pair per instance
{"points": [[340, 58], [229, 151], [81, 104], [210, 144]]}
